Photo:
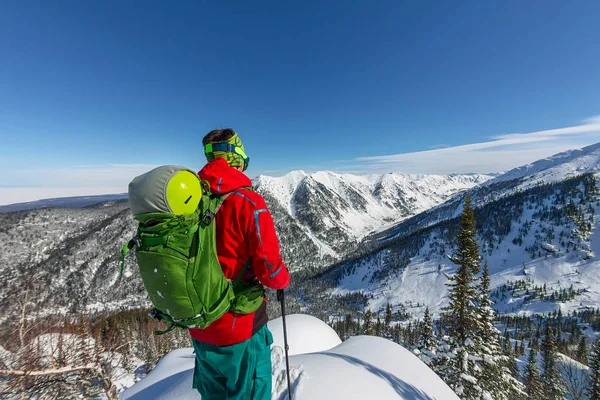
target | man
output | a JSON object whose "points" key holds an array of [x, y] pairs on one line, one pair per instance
{"points": [[233, 357]]}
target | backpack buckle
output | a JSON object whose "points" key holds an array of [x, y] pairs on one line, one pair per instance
{"points": [[155, 315], [208, 217]]}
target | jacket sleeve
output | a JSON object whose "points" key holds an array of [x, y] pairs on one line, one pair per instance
{"points": [[264, 248]]}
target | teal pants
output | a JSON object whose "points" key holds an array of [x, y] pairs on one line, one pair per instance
{"points": [[238, 372]]}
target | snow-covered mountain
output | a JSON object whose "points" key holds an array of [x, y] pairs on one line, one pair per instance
{"points": [[321, 368], [68, 257], [550, 170], [327, 214], [533, 229]]}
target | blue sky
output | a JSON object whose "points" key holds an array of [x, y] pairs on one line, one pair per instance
{"points": [[94, 92]]}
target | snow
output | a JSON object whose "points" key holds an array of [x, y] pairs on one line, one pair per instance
{"points": [[369, 367], [555, 168], [170, 379], [362, 367], [550, 248], [323, 336]]}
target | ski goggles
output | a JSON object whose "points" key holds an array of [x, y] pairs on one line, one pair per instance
{"points": [[211, 148]]}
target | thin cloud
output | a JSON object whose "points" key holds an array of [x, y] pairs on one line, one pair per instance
{"points": [[592, 120], [41, 183], [501, 153], [24, 195], [438, 146]]}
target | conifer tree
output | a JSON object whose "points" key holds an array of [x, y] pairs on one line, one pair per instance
{"points": [[499, 383], [533, 384], [486, 333], [582, 356], [522, 348], [462, 317], [388, 320], [427, 339], [368, 326], [454, 363], [594, 388], [554, 388], [511, 360]]}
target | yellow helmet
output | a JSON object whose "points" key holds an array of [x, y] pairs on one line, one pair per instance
{"points": [[183, 192]]}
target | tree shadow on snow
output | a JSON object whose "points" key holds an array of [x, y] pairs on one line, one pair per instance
{"points": [[402, 388]]}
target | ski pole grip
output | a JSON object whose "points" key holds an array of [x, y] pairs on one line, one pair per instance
{"points": [[280, 295]]}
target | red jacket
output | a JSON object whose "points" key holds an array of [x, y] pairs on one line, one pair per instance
{"points": [[245, 230]]}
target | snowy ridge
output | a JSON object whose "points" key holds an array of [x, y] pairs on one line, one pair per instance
{"points": [[380, 192], [555, 168], [550, 170], [362, 367], [340, 209]]}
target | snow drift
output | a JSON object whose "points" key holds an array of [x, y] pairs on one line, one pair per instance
{"points": [[362, 367]]}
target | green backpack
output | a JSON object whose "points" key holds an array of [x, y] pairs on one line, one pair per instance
{"points": [[177, 260]]}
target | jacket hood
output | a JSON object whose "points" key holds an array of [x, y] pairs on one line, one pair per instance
{"points": [[223, 178]]}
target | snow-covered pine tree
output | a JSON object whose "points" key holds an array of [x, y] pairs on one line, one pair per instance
{"points": [[427, 339], [368, 325], [511, 359], [498, 383], [522, 348], [388, 321], [427, 344], [582, 355], [594, 388], [462, 318], [554, 387], [533, 384], [455, 364]]}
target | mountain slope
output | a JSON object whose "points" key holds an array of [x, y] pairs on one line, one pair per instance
{"points": [[330, 213], [531, 232], [67, 259], [557, 168]]}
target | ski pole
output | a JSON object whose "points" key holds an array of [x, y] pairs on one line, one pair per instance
{"points": [[281, 298]]}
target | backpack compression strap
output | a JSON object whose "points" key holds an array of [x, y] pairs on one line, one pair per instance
{"points": [[159, 316]]}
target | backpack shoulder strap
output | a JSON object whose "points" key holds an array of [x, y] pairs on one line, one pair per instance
{"points": [[214, 206]]}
